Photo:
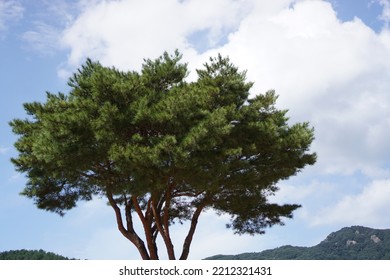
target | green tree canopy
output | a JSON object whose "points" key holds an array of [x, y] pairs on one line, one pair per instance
{"points": [[162, 149]]}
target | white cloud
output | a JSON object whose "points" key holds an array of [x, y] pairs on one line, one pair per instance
{"points": [[331, 73], [370, 208], [47, 23], [10, 10], [63, 12], [295, 193], [122, 33], [385, 16], [44, 38]]}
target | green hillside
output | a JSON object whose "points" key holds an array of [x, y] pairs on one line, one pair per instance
{"points": [[350, 243], [30, 255]]}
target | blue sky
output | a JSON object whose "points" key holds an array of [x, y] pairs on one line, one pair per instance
{"points": [[329, 61]]}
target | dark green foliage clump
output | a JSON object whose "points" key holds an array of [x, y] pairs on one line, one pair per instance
{"points": [[30, 255], [351, 243]]}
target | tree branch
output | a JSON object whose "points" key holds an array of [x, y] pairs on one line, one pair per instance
{"points": [[156, 208], [194, 222], [147, 229], [129, 233], [170, 249]]}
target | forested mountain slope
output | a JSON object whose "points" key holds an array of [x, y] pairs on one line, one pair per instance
{"points": [[350, 243]]}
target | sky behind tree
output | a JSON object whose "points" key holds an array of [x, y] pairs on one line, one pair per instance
{"points": [[329, 62]]}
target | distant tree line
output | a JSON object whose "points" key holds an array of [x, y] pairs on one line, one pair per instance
{"points": [[30, 255]]}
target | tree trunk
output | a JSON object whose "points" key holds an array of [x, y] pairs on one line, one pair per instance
{"points": [[161, 222]]}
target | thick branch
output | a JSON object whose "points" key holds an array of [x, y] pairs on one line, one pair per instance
{"points": [[147, 229], [129, 216], [164, 230], [188, 240], [130, 233], [153, 229], [170, 249]]}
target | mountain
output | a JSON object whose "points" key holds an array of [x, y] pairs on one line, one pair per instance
{"points": [[350, 243], [30, 255]]}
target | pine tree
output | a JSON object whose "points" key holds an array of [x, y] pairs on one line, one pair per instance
{"points": [[162, 149]]}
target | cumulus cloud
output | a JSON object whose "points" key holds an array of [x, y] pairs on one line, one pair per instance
{"points": [[122, 33], [10, 10], [366, 208], [331, 73]]}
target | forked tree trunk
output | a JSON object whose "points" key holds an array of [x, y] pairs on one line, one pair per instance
{"points": [[150, 252]]}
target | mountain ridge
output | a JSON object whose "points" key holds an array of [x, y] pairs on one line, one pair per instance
{"points": [[348, 243]]}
